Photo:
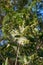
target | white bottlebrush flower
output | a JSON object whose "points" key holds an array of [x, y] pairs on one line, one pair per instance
{"points": [[8, 45], [36, 29], [14, 33], [21, 29], [22, 40]]}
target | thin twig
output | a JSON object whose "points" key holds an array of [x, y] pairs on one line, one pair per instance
{"points": [[2, 57], [17, 55]]}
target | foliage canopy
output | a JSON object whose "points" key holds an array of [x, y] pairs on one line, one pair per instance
{"points": [[22, 26]]}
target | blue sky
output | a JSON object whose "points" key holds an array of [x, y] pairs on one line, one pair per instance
{"points": [[2, 42], [1, 33]]}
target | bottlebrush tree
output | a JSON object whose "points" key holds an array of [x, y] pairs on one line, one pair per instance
{"points": [[22, 26]]}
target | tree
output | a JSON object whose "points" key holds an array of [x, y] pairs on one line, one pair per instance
{"points": [[23, 31]]}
